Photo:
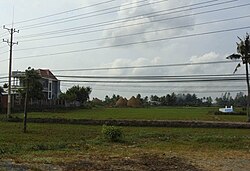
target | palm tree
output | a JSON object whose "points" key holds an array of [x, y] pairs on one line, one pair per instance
{"points": [[243, 54]]}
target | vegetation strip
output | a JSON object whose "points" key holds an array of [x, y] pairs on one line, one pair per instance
{"points": [[140, 123]]}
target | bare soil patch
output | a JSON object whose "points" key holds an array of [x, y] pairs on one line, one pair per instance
{"points": [[139, 163], [144, 162]]}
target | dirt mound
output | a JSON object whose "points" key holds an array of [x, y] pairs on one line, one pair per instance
{"points": [[97, 101], [121, 102], [133, 102]]}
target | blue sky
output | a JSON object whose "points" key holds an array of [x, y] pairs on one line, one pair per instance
{"points": [[140, 19]]}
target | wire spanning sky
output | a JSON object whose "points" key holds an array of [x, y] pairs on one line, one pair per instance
{"points": [[90, 37]]}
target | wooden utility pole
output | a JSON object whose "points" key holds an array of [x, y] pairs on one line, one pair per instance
{"points": [[10, 43], [26, 106]]}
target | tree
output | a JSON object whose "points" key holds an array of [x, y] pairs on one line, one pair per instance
{"points": [[5, 85], [243, 54], [32, 83], [33, 90], [240, 99], [1, 89], [225, 100], [77, 93]]}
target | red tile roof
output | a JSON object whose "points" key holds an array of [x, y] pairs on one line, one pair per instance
{"points": [[45, 73]]}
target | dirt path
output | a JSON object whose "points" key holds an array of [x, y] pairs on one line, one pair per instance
{"points": [[144, 162]]}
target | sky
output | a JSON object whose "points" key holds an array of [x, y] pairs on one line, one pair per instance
{"points": [[87, 34]]}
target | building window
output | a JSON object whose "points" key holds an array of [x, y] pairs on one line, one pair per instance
{"points": [[50, 90]]}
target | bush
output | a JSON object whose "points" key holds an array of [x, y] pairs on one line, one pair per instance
{"points": [[231, 113], [112, 133]]}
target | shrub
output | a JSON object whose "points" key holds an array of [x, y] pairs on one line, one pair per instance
{"points": [[112, 133]]}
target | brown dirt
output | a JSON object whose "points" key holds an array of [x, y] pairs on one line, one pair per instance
{"points": [[145, 162], [184, 160], [139, 163]]}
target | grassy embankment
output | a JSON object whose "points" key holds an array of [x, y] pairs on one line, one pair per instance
{"points": [[170, 113]]}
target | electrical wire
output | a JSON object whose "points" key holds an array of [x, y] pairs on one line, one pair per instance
{"points": [[63, 12], [145, 66], [97, 25], [133, 43], [163, 90], [119, 27], [154, 77], [183, 91], [161, 81], [111, 85], [134, 34], [52, 22], [4, 52]]}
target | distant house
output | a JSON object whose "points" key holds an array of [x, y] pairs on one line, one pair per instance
{"points": [[51, 85]]}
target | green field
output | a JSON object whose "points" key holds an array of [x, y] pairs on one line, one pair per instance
{"points": [[170, 113], [63, 144], [51, 138]]}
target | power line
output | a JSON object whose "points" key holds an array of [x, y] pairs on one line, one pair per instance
{"points": [[52, 22], [164, 90], [176, 91], [3, 82], [134, 43], [4, 34], [119, 27], [1, 78], [160, 81], [134, 34], [155, 86], [63, 12], [147, 66], [154, 77], [4, 52], [109, 23]]}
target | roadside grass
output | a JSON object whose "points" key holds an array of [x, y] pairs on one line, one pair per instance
{"points": [[52, 143], [167, 113]]}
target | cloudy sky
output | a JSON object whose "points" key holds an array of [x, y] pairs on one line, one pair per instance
{"points": [[87, 34]]}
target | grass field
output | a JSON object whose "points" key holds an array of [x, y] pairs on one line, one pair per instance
{"points": [[77, 146], [67, 144], [170, 113], [49, 138]]}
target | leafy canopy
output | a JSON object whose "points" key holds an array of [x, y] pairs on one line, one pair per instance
{"points": [[77, 93], [31, 81]]}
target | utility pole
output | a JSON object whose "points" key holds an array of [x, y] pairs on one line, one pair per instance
{"points": [[26, 105], [10, 43]]}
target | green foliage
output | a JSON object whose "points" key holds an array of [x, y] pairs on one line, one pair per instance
{"points": [[180, 100], [5, 85], [112, 133], [32, 82], [1, 89], [77, 93], [226, 99], [110, 101]]}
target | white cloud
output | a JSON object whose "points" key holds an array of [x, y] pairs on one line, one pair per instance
{"points": [[144, 22], [220, 68], [121, 62]]}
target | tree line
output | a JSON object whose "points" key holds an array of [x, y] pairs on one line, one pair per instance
{"points": [[173, 99], [167, 100]]}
